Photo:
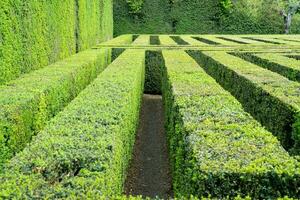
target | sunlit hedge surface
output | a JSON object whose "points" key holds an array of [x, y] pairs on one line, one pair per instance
{"points": [[270, 97], [217, 149], [84, 151], [27, 103], [34, 33]]}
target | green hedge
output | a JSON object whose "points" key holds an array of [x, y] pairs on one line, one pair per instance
{"points": [[154, 17], [121, 40], [271, 98], [296, 57], [95, 22], [167, 40], [141, 40], [153, 73], [217, 149], [34, 34], [27, 103], [199, 17], [84, 151], [281, 64]]}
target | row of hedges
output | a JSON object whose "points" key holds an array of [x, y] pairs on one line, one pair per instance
{"points": [[271, 98], [84, 152], [34, 33], [217, 149], [166, 40], [141, 40], [27, 103], [281, 64]]}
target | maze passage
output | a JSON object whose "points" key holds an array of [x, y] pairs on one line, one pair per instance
{"points": [[231, 109]]}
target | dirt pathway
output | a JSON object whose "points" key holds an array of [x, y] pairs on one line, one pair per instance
{"points": [[149, 173]]}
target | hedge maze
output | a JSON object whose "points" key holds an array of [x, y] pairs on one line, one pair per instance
{"points": [[231, 105]]}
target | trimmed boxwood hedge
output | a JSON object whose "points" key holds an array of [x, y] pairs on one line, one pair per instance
{"points": [[192, 41], [121, 40], [34, 34], [167, 40], [141, 40], [281, 64], [26, 104], [153, 73], [217, 149], [84, 151], [271, 98]]}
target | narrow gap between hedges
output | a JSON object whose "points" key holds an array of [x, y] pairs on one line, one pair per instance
{"points": [[149, 173], [179, 40], [261, 40], [77, 25], [206, 41]]}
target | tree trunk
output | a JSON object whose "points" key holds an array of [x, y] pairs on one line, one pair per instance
{"points": [[287, 22]]}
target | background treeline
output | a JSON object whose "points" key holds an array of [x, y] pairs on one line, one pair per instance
{"points": [[34, 33], [205, 16]]}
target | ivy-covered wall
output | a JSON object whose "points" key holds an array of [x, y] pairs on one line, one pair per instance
{"points": [[195, 16], [35, 33]]}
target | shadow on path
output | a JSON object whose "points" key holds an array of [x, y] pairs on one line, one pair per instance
{"points": [[149, 173]]}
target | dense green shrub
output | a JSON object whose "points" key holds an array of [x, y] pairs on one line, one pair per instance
{"points": [[205, 16], [84, 151], [216, 148], [153, 72], [135, 5], [179, 40], [281, 64], [154, 17], [95, 22], [271, 98], [26, 104], [166, 40], [154, 40], [121, 40], [192, 41], [141, 40], [34, 34]]}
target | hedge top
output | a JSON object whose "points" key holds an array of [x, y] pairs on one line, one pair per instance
{"points": [[251, 43]]}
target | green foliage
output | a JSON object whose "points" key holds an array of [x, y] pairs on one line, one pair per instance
{"points": [[285, 66], [135, 5], [84, 151], [153, 18], [94, 22], [153, 73], [217, 149], [121, 40], [27, 103], [141, 40], [205, 16], [270, 98], [34, 34], [226, 5]]}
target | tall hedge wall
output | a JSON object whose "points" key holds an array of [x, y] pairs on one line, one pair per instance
{"points": [[34, 33], [195, 16], [153, 18]]}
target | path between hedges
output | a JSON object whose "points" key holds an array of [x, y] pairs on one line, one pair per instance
{"points": [[149, 173]]}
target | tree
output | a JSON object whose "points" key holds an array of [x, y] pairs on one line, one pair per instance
{"points": [[288, 8]]}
